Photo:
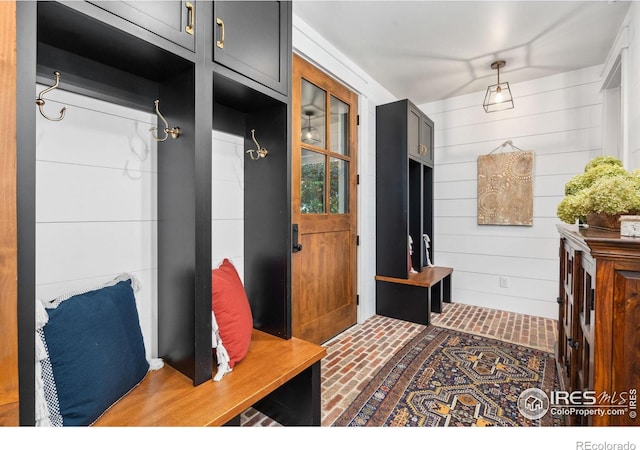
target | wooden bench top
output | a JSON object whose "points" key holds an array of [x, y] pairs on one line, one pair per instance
{"points": [[168, 398], [427, 278]]}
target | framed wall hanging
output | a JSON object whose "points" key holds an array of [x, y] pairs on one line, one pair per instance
{"points": [[505, 187]]}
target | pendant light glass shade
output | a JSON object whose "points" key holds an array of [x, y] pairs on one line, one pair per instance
{"points": [[498, 96], [310, 135]]}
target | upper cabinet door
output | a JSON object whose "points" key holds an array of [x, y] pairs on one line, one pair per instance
{"points": [[253, 39], [419, 135], [414, 142], [426, 138], [173, 20]]}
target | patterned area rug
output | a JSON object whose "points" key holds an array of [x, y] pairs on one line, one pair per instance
{"points": [[445, 378]]}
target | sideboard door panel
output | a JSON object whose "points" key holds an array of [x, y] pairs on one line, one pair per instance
{"points": [[626, 346]]}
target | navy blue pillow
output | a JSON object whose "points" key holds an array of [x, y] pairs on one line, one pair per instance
{"points": [[96, 351]]}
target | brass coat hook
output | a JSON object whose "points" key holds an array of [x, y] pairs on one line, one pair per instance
{"points": [[261, 152], [174, 132], [40, 101]]}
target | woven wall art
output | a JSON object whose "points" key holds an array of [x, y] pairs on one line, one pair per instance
{"points": [[505, 188]]}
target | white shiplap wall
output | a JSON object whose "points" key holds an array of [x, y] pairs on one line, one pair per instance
{"points": [[227, 200], [559, 119], [96, 208], [633, 96], [96, 204]]}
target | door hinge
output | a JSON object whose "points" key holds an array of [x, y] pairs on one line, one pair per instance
{"points": [[358, 119], [358, 179], [357, 299], [358, 240]]}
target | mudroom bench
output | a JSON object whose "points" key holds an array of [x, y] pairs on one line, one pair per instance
{"points": [[416, 297], [278, 377]]}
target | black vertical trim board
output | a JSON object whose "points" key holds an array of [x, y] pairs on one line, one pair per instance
{"points": [[427, 204], [203, 119], [415, 216], [26, 202], [392, 181], [177, 227]]}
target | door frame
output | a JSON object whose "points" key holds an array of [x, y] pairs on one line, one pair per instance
{"points": [[342, 91]]}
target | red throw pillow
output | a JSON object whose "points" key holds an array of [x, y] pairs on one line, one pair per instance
{"points": [[231, 308]]}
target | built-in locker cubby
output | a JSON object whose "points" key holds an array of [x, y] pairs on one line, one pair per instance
{"points": [[427, 214], [408, 284], [252, 86], [97, 56], [131, 54], [404, 188], [238, 109]]}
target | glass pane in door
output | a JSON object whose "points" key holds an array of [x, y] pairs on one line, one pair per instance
{"points": [[312, 181], [313, 112], [339, 189], [339, 127]]}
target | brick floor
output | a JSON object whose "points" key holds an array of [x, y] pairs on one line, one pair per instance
{"points": [[355, 355]]}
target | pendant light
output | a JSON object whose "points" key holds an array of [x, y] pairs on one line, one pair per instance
{"points": [[498, 97], [310, 135]]}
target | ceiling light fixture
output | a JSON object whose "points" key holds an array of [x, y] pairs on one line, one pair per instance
{"points": [[498, 97], [310, 135]]}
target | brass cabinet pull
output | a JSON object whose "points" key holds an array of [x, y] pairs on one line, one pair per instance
{"points": [[220, 43], [190, 24]]}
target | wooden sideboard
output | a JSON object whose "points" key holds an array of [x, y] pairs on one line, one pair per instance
{"points": [[598, 347]]}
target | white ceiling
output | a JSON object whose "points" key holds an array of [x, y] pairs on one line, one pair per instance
{"points": [[430, 50]]}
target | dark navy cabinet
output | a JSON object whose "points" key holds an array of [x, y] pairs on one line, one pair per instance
{"points": [[173, 20], [404, 187], [252, 39], [408, 285], [419, 135]]}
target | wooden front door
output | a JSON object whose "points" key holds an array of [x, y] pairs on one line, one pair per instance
{"points": [[324, 202]]}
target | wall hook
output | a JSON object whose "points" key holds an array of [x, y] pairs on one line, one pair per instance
{"points": [[504, 144], [174, 132], [40, 101], [261, 152]]}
